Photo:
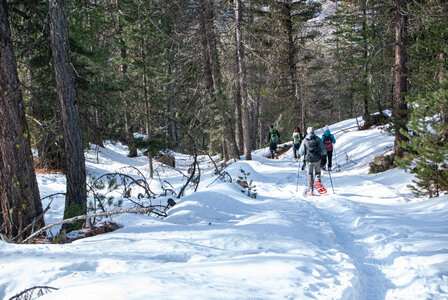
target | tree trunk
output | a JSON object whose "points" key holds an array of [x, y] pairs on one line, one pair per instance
{"points": [[292, 60], [444, 105], [19, 192], [242, 82], [151, 165], [261, 126], [255, 122], [401, 75], [238, 118], [365, 112], [129, 132], [76, 198], [212, 76]]}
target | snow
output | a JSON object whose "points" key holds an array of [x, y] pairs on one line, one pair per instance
{"points": [[370, 239]]}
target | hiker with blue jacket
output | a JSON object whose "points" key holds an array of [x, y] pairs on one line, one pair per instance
{"points": [[328, 140], [314, 150], [296, 139], [273, 140]]}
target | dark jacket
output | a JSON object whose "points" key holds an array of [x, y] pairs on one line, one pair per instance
{"points": [[304, 150]]}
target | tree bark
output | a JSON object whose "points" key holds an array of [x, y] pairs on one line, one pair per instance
{"points": [[76, 198], [242, 82], [401, 75], [238, 119], [444, 105], [366, 67], [212, 75], [292, 62], [19, 192], [129, 132]]}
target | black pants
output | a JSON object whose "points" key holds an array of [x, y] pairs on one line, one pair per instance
{"points": [[328, 160], [273, 148]]}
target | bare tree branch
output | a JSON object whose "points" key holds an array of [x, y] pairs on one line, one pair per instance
{"points": [[140, 210], [28, 293]]}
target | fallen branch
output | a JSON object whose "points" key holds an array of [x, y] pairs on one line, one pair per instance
{"points": [[139, 210], [345, 130], [34, 222], [28, 293]]}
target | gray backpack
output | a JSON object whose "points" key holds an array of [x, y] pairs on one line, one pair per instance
{"points": [[312, 150]]}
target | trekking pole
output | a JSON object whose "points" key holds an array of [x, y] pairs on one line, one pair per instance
{"points": [[298, 176], [329, 174], [338, 167]]}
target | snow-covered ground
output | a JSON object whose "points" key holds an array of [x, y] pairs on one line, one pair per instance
{"points": [[369, 239]]}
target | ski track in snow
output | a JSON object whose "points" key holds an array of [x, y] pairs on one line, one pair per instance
{"points": [[372, 284]]}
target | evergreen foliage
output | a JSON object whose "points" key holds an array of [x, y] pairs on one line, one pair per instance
{"points": [[142, 66], [427, 149], [248, 186]]}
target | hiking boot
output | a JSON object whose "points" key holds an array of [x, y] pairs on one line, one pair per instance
{"points": [[323, 168], [329, 169]]}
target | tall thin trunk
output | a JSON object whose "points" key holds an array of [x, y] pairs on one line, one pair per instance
{"points": [[401, 74], [292, 58], [124, 70], [338, 97], [145, 91], [303, 104], [238, 119], [255, 106], [366, 67], [444, 106], [212, 76], [19, 192], [242, 82], [76, 198]]}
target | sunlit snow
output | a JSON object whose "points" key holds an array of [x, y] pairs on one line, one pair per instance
{"points": [[369, 239]]}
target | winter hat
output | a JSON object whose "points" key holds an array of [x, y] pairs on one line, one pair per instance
{"points": [[310, 130], [326, 128]]}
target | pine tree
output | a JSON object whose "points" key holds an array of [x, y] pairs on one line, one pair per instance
{"points": [[427, 149], [19, 193], [76, 196], [362, 56]]}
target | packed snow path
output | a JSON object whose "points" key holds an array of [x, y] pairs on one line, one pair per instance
{"points": [[369, 240]]}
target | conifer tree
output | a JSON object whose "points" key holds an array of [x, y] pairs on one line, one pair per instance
{"points": [[19, 192], [76, 195], [427, 149]]}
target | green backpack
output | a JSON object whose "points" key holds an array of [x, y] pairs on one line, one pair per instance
{"points": [[274, 136], [296, 138]]}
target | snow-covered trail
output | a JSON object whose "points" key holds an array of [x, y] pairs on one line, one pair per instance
{"points": [[368, 240], [328, 212], [370, 223]]}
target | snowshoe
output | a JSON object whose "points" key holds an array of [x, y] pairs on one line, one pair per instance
{"points": [[320, 188]]}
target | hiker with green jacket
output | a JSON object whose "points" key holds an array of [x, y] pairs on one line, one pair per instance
{"points": [[314, 150], [273, 140]]}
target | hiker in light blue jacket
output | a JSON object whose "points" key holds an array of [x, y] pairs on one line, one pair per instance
{"points": [[328, 140]]}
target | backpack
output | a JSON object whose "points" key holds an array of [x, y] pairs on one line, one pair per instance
{"points": [[328, 142], [312, 147], [296, 138], [274, 136]]}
